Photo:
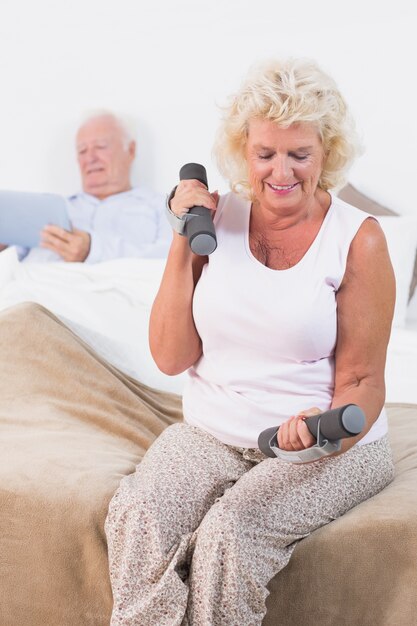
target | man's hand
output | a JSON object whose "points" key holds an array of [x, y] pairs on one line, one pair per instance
{"points": [[71, 246]]}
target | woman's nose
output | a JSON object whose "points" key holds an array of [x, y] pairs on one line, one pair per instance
{"points": [[281, 170]]}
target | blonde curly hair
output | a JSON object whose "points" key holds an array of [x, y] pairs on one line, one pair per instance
{"points": [[287, 92]]}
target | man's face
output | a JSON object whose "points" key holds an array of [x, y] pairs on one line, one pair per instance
{"points": [[103, 157]]}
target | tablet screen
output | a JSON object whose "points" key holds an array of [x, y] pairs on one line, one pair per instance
{"points": [[23, 215]]}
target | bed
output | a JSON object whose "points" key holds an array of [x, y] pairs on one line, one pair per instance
{"points": [[74, 419]]}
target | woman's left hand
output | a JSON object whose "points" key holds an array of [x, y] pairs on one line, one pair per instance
{"points": [[294, 434]]}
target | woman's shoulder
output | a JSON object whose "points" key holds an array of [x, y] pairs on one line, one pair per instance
{"points": [[347, 211], [367, 240], [230, 202], [350, 214], [350, 220], [232, 198]]}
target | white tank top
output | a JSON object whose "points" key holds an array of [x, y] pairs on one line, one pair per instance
{"points": [[268, 335]]}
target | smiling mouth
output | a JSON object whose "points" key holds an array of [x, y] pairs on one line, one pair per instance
{"points": [[282, 187]]}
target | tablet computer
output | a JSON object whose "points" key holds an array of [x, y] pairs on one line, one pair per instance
{"points": [[23, 215]]}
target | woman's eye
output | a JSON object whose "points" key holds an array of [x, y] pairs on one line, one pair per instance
{"points": [[265, 157], [300, 157]]}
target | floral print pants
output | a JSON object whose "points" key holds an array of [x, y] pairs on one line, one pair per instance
{"points": [[198, 531]]}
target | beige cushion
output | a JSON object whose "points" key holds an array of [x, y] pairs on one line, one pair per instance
{"points": [[72, 425]]}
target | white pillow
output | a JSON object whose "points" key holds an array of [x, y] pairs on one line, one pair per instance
{"points": [[401, 235], [412, 311]]}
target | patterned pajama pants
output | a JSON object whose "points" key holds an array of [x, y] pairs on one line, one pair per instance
{"points": [[198, 531]]}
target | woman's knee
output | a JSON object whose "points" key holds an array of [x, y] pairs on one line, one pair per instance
{"points": [[223, 525]]}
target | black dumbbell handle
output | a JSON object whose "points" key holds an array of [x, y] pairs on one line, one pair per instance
{"points": [[199, 230]]}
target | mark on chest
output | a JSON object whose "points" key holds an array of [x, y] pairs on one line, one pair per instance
{"points": [[274, 255]]}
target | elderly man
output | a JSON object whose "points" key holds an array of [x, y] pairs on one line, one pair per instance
{"points": [[110, 218]]}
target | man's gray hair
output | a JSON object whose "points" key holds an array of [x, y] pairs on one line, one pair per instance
{"points": [[124, 122]]}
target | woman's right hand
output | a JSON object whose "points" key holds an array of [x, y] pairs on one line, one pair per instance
{"points": [[294, 434], [173, 338], [191, 193]]}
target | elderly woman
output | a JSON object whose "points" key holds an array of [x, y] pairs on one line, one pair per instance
{"points": [[289, 316]]}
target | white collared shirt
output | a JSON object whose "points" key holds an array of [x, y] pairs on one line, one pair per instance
{"points": [[127, 224]]}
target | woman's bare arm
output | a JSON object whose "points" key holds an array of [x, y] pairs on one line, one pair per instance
{"points": [[365, 303], [174, 342]]}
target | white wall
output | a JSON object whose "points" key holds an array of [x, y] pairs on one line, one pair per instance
{"points": [[170, 64]]}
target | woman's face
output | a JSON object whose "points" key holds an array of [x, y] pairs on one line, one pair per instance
{"points": [[284, 164]]}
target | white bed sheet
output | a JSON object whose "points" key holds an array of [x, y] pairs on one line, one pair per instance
{"points": [[401, 367], [108, 306]]}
